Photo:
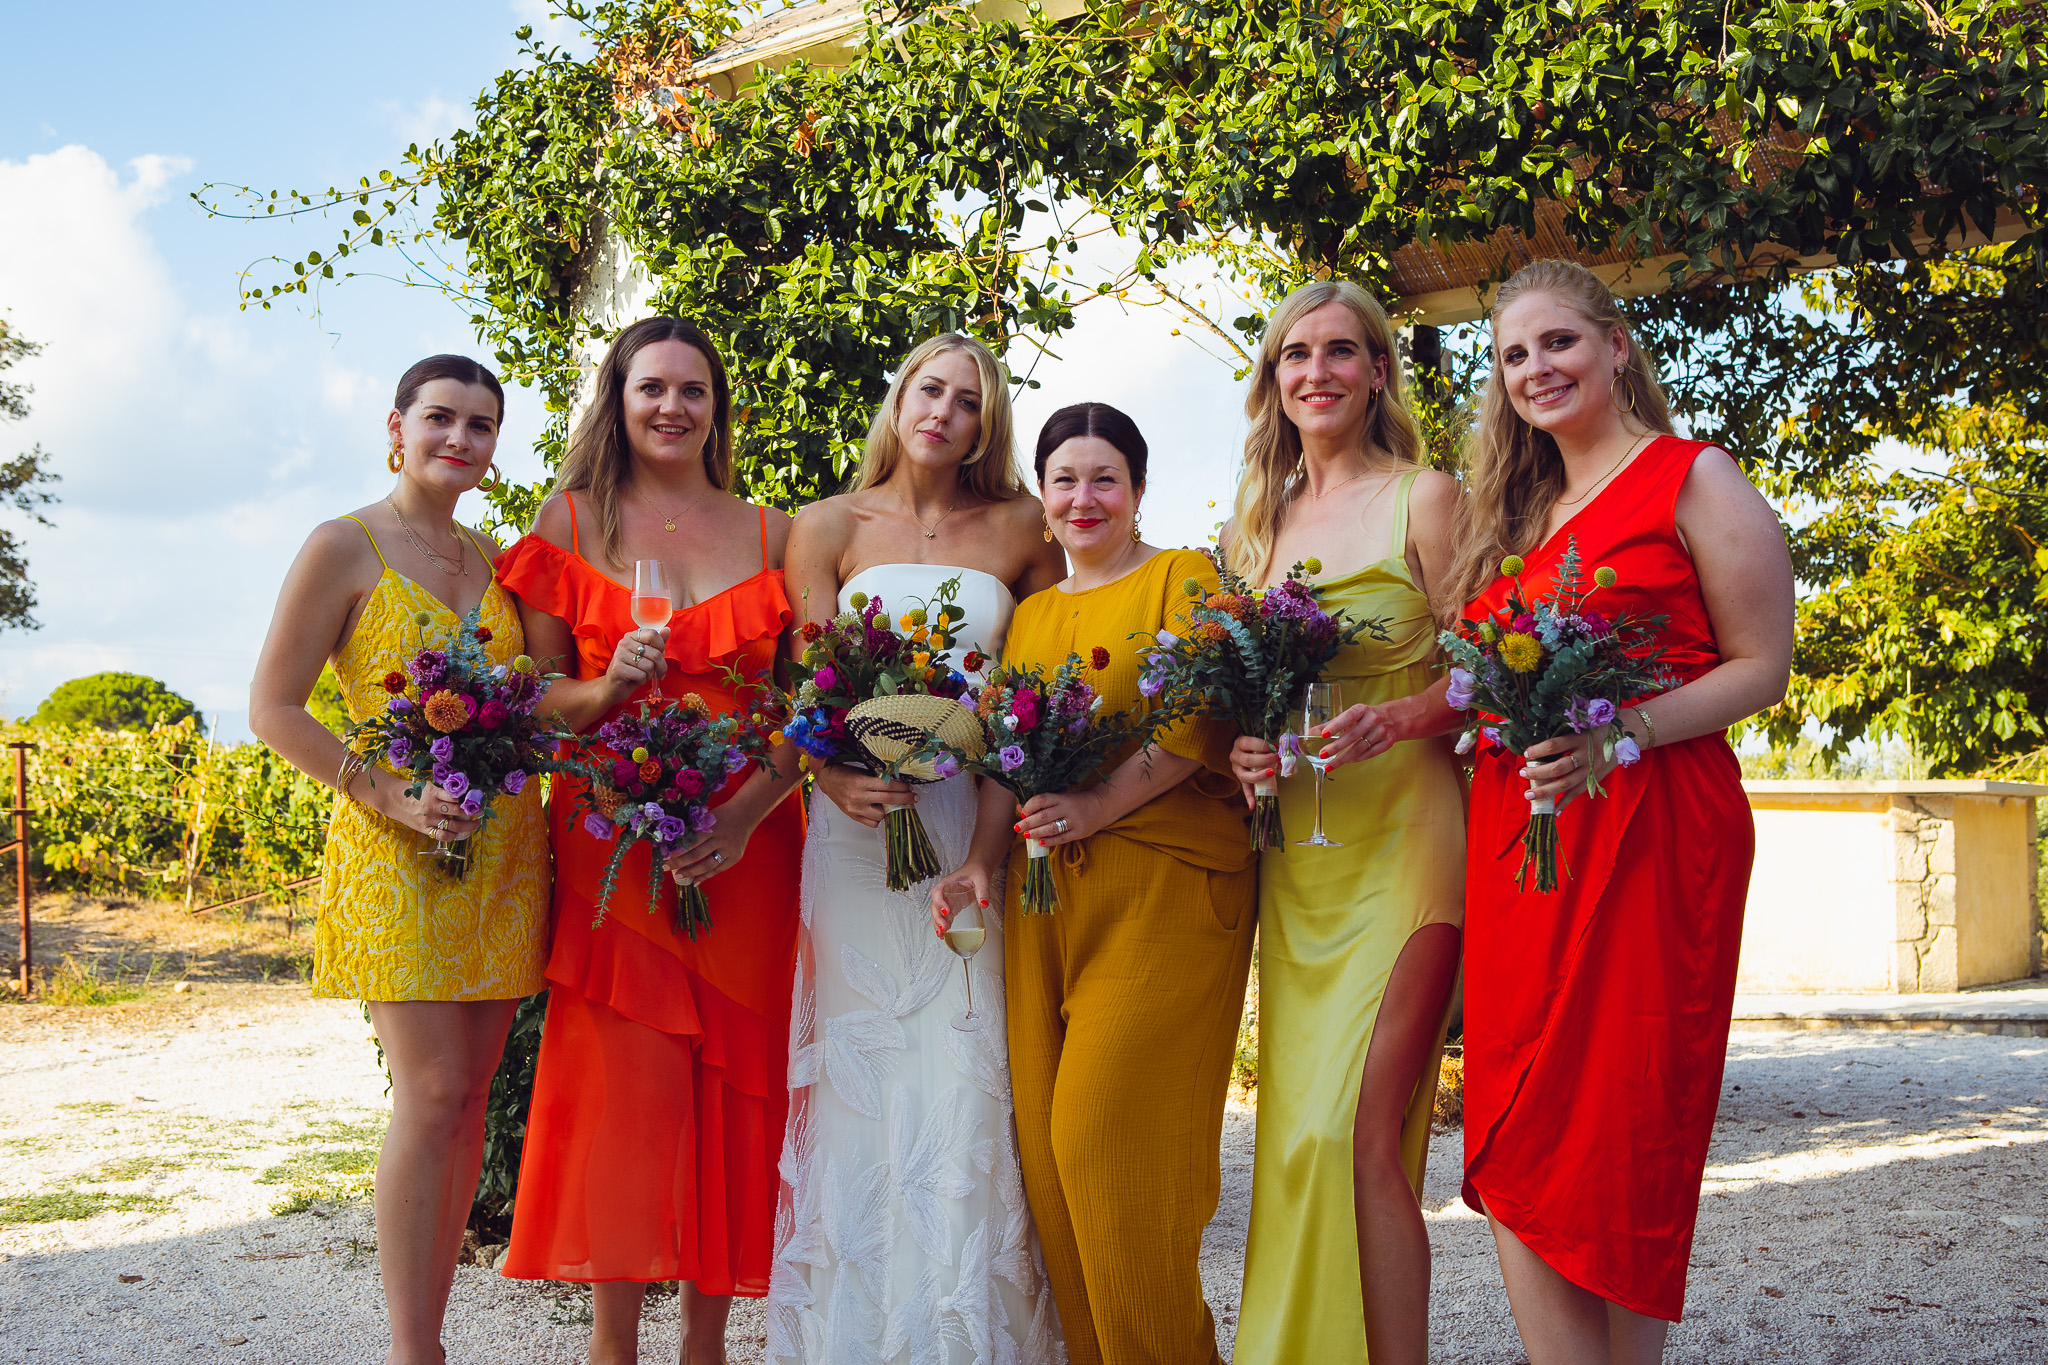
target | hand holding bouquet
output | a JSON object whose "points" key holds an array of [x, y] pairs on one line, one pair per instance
{"points": [[651, 776], [1249, 655], [460, 721], [1550, 669], [869, 697], [1047, 737]]}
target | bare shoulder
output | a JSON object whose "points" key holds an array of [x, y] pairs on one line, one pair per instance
{"points": [[341, 545], [487, 541], [776, 523], [1433, 491], [556, 522], [1717, 481], [824, 525], [1020, 511]]}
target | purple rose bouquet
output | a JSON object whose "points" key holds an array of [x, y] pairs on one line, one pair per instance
{"points": [[838, 713], [1537, 671], [651, 779], [1249, 655], [460, 720], [1043, 737]]}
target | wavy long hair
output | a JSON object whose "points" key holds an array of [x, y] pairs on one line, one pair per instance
{"points": [[1272, 448], [1514, 474], [600, 458], [990, 470]]}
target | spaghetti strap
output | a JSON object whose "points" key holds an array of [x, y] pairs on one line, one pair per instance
{"points": [[574, 547], [350, 516], [764, 539], [1400, 536], [482, 553]]}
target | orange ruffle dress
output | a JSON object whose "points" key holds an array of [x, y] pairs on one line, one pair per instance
{"points": [[660, 1093]]}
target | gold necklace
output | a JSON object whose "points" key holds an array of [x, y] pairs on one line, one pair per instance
{"points": [[1573, 502], [438, 561], [1333, 487], [668, 523], [933, 529]]}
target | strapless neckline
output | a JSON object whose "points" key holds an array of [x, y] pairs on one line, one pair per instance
{"points": [[942, 571]]}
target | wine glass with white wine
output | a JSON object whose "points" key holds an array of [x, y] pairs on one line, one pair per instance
{"points": [[1319, 706], [965, 933]]}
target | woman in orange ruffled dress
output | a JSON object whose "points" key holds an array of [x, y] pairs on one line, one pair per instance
{"points": [[659, 1098]]}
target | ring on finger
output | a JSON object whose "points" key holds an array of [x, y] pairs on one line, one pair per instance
{"points": [[1060, 825]]}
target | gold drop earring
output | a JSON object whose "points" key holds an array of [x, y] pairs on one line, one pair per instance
{"points": [[1135, 537], [1048, 529]]}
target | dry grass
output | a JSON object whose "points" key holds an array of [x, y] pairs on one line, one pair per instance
{"points": [[101, 950], [1450, 1091]]}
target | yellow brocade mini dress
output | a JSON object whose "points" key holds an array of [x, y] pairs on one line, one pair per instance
{"points": [[1331, 923], [392, 925]]}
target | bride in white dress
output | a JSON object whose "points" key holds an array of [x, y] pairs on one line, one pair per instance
{"points": [[902, 1232]]}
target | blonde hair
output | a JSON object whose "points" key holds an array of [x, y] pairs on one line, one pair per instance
{"points": [[1272, 449], [1513, 472], [990, 470], [600, 457]]}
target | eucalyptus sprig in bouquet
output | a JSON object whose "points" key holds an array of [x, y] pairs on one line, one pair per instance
{"points": [[1249, 655], [869, 696], [462, 721], [651, 776], [1041, 737], [1538, 670]]}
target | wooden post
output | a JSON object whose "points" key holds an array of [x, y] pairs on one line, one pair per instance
{"points": [[194, 835], [21, 747]]}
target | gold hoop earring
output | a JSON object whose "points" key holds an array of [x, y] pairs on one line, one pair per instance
{"points": [[491, 479], [395, 461], [1048, 528], [1624, 411]]}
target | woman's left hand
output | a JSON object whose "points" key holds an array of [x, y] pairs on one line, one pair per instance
{"points": [[717, 850], [1359, 733], [1557, 767], [1059, 819]]}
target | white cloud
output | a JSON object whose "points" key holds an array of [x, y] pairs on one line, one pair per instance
{"points": [[425, 120]]}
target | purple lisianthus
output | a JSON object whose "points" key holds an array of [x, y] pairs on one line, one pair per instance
{"points": [[735, 759], [670, 830], [401, 750], [1459, 695], [945, 766], [597, 827], [1626, 751], [1583, 714], [1290, 753], [473, 803], [1011, 757], [443, 749], [398, 706], [1492, 735], [515, 782], [702, 820], [455, 783]]}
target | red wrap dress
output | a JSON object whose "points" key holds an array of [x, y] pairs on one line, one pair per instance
{"points": [[660, 1094], [1596, 1017]]}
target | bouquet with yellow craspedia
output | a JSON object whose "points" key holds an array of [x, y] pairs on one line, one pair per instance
{"points": [[461, 721], [1536, 671], [1249, 655]]}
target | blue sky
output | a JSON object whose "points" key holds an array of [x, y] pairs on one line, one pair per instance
{"points": [[199, 444]]}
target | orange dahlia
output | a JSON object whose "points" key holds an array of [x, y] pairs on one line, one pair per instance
{"points": [[445, 712]]}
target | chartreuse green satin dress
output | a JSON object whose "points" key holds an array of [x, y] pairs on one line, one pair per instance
{"points": [[1331, 923]]}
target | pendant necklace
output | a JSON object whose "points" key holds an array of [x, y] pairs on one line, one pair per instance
{"points": [[668, 523], [933, 529], [438, 561]]}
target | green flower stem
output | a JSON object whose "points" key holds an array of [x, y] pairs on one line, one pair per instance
{"points": [[912, 859]]}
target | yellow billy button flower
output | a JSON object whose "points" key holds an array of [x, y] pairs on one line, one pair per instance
{"points": [[1512, 565], [1521, 652], [1312, 565], [640, 755], [522, 664], [857, 601], [1605, 576], [1191, 587], [917, 616], [422, 620]]}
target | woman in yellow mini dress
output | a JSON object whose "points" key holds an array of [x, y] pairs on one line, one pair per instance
{"points": [[441, 962], [1124, 1002], [1358, 945]]}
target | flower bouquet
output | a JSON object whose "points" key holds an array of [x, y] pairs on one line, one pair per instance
{"points": [[1248, 655], [870, 697], [460, 721], [1548, 669], [1044, 737], [651, 775]]}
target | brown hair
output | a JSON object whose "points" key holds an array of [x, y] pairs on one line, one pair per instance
{"points": [[600, 457], [990, 470], [1513, 471], [459, 368], [1272, 448], [1101, 421]]}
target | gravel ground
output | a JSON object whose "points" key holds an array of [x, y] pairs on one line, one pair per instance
{"points": [[1871, 1197]]}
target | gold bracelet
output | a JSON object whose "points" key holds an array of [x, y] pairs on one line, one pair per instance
{"points": [[1649, 730], [352, 767]]}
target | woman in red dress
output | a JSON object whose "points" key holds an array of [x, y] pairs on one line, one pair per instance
{"points": [[1596, 1017], [659, 1097]]}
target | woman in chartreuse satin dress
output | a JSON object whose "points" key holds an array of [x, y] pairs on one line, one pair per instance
{"points": [[1358, 945], [442, 963], [1124, 1002]]}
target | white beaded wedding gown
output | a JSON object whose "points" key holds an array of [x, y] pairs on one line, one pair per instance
{"points": [[901, 1232]]}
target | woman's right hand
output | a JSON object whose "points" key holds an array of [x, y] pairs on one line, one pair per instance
{"points": [[433, 812], [972, 880], [637, 661], [863, 797], [1253, 761]]}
